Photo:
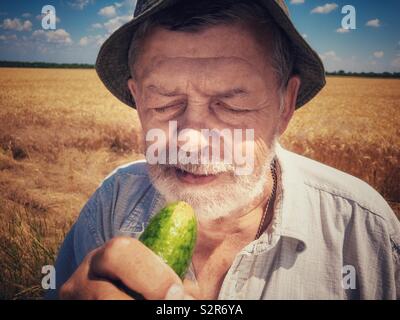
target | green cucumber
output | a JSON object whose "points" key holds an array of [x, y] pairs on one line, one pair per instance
{"points": [[171, 234]]}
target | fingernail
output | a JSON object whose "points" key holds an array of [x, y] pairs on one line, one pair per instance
{"points": [[175, 292]]}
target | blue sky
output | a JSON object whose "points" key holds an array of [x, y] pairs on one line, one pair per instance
{"points": [[83, 25]]}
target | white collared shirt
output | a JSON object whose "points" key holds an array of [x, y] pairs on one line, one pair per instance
{"points": [[332, 236]]}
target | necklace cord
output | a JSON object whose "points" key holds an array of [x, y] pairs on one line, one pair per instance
{"points": [[274, 178]]}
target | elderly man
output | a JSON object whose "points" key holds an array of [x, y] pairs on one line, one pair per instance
{"points": [[289, 228]]}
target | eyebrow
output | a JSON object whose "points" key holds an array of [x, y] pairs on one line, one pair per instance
{"points": [[162, 91]]}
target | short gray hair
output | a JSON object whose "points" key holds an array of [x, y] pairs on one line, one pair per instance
{"points": [[195, 15]]}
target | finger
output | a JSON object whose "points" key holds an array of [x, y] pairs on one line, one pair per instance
{"points": [[104, 290], [94, 290], [81, 287], [136, 266]]}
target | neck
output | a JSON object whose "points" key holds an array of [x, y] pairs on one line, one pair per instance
{"points": [[241, 225]]}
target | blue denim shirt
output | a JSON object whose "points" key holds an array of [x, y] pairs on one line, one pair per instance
{"points": [[326, 224]]}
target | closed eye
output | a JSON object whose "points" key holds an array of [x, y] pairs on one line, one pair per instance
{"points": [[237, 110], [225, 107], [169, 108]]}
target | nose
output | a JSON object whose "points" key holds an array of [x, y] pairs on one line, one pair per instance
{"points": [[192, 140], [191, 137]]}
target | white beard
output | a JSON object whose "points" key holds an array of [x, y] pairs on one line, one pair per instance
{"points": [[224, 196]]}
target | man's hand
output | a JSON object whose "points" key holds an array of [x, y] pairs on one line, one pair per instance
{"points": [[125, 262]]}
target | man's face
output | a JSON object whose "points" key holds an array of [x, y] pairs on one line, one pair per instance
{"points": [[219, 78]]}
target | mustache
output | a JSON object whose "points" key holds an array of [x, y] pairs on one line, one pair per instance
{"points": [[200, 169]]}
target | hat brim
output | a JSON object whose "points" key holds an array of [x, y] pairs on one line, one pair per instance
{"points": [[112, 60]]}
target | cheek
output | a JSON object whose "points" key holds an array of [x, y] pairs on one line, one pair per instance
{"points": [[144, 116], [251, 155], [267, 124], [263, 146], [262, 150], [155, 137], [147, 119], [140, 112]]}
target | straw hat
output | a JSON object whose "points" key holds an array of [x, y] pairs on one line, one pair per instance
{"points": [[112, 60]]}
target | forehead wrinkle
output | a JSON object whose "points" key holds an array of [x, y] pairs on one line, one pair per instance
{"points": [[160, 61]]}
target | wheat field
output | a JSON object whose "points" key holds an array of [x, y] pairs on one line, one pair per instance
{"points": [[61, 133]]}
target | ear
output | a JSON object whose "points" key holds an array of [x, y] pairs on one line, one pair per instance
{"points": [[289, 103], [132, 85]]}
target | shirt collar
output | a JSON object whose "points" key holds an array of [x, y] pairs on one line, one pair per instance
{"points": [[291, 209]]}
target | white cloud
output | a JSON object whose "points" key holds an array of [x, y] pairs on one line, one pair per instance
{"points": [[79, 4], [325, 8], [26, 15], [97, 26], [342, 30], [304, 36], [16, 24], [59, 36], [378, 54], [330, 55], [90, 40], [84, 41], [42, 50], [114, 23], [128, 6], [108, 12], [296, 1], [8, 37], [373, 23], [332, 62]]}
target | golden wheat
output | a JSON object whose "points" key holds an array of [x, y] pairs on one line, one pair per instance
{"points": [[61, 132]]}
